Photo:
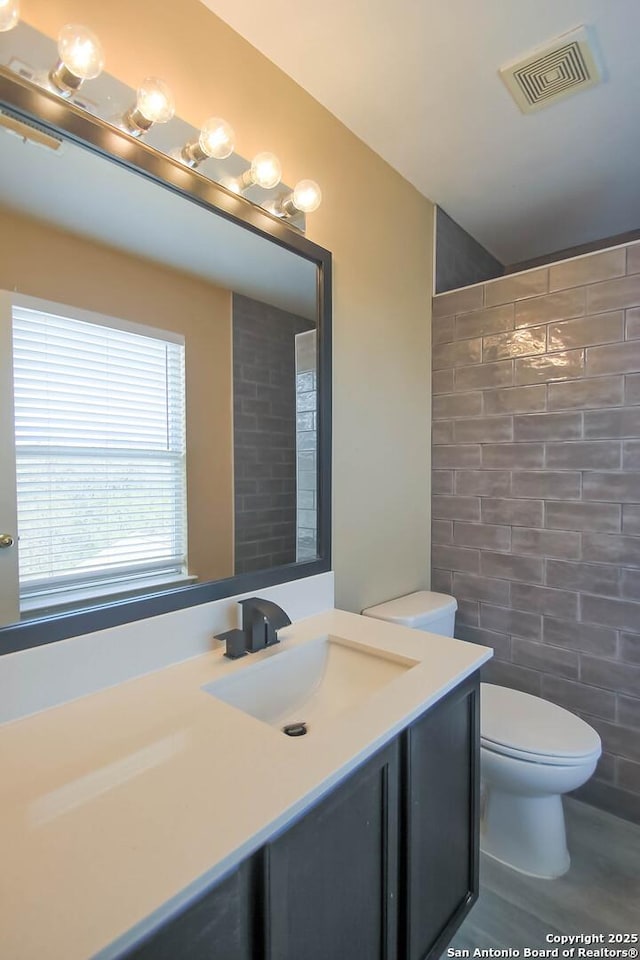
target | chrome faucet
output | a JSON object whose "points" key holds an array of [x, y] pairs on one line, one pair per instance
{"points": [[261, 620]]}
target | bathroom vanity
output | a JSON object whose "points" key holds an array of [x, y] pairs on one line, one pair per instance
{"points": [[156, 819], [384, 866]]}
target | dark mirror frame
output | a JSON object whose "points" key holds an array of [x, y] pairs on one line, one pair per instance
{"points": [[47, 111]]}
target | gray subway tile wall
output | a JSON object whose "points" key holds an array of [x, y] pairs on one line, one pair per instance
{"points": [[586, 270], [631, 519], [516, 287], [586, 331], [633, 324], [264, 427], [536, 527], [553, 306], [566, 365], [632, 389]]}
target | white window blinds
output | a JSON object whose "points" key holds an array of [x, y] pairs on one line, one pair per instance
{"points": [[100, 452]]}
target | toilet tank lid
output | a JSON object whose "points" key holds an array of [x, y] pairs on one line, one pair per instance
{"points": [[521, 721], [415, 609]]}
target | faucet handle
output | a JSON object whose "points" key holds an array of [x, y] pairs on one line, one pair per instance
{"points": [[236, 643]]}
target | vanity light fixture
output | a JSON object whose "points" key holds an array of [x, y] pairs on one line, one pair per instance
{"points": [[265, 171], [306, 197], [154, 104], [80, 58], [216, 140], [9, 14]]}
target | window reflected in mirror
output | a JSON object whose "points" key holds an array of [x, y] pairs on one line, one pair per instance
{"points": [[99, 412]]}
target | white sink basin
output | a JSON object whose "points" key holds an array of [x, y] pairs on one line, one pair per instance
{"points": [[311, 683]]}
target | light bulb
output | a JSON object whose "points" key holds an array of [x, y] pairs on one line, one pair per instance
{"points": [[81, 58], [307, 196], [80, 52], [265, 170], [9, 14], [155, 101], [216, 139], [154, 104]]}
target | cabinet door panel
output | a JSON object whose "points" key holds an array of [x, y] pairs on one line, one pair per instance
{"points": [[441, 821], [220, 926], [332, 876]]}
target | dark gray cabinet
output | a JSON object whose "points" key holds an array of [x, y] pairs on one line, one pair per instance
{"points": [[441, 822], [383, 867], [332, 878], [225, 924]]}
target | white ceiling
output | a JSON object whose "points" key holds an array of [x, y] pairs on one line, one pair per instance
{"points": [[417, 80]]}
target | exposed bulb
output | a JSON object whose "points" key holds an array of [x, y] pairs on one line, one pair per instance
{"points": [[307, 196], [154, 104], [155, 101], [217, 138], [9, 14], [80, 52], [81, 58], [266, 170]]}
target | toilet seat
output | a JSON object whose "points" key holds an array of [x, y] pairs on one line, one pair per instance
{"points": [[525, 727], [541, 758]]}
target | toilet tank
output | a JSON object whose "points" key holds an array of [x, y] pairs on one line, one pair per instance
{"points": [[423, 610]]}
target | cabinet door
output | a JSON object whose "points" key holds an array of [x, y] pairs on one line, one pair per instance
{"points": [[331, 878], [442, 816], [224, 924]]}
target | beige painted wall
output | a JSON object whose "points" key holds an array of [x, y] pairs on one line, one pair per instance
{"points": [[379, 230], [42, 261]]}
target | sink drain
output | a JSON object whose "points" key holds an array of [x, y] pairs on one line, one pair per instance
{"points": [[295, 729]]}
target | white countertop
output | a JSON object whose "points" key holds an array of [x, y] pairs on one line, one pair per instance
{"points": [[119, 808]]}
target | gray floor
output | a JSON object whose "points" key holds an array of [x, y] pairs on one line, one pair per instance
{"points": [[599, 894]]}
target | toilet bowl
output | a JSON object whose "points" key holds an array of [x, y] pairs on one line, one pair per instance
{"points": [[532, 751]]}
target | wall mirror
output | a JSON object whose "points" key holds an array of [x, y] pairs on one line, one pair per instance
{"points": [[164, 382]]}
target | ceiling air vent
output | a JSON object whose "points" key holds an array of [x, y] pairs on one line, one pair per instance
{"points": [[28, 130], [560, 68]]}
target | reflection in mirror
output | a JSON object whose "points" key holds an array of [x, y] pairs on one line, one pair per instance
{"points": [[158, 378]]}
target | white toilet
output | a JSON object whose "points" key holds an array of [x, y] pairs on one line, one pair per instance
{"points": [[532, 752]]}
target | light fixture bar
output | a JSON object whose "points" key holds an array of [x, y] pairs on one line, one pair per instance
{"points": [[80, 57]]}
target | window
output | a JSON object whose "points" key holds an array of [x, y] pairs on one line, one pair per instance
{"points": [[100, 452]]}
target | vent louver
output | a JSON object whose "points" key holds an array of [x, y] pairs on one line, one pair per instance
{"points": [[565, 66], [28, 130]]}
